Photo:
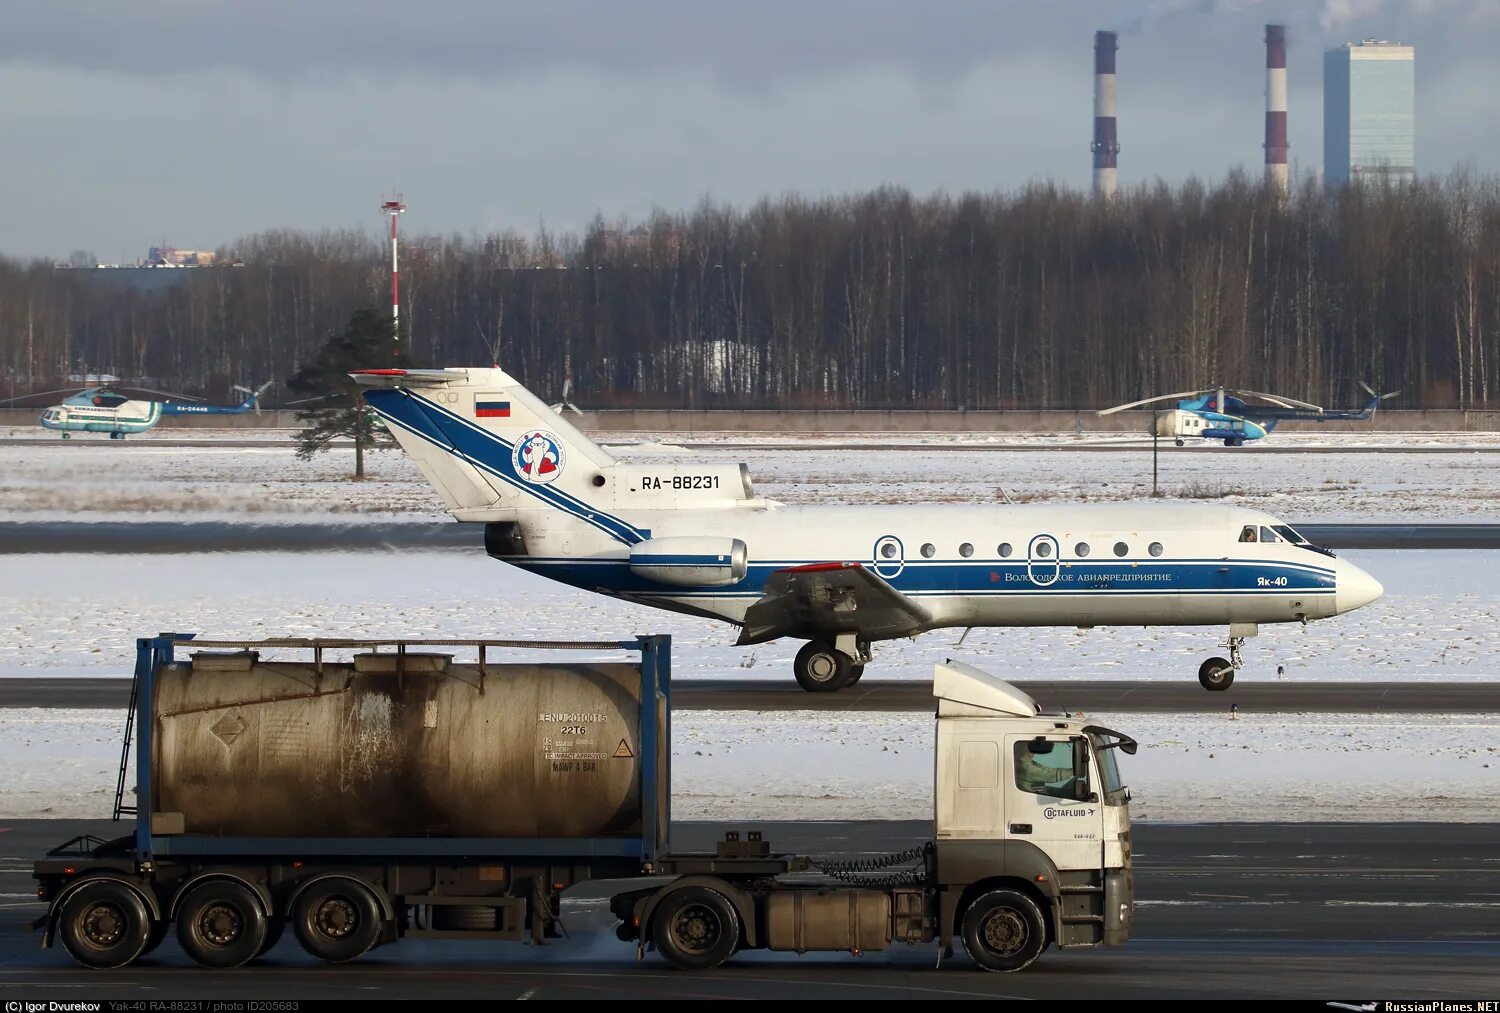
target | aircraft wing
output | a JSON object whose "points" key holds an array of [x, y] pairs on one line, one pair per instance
{"points": [[825, 599]]}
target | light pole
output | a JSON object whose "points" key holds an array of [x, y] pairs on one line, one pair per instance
{"points": [[394, 208]]}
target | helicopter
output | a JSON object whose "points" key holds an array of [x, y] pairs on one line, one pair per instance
{"points": [[1222, 413], [103, 410]]}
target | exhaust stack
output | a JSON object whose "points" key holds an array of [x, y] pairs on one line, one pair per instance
{"points": [[1106, 145], [1276, 143]]}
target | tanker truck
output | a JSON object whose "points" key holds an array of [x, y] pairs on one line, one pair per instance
{"points": [[360, 792]]}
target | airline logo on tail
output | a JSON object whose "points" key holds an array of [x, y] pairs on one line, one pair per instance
{"points": [[538, 457]]}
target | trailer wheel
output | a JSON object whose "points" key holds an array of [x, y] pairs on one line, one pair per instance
{"points": [[105, 924], [696, 928], [1003, 931], [337, 920], [220, 924]]}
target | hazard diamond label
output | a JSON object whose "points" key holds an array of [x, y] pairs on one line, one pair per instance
{"points": [[622, 751]]}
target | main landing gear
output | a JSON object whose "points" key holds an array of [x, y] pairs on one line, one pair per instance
{"points": [[1218, 673], [824, 666]]}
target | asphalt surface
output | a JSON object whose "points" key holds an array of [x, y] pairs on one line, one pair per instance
{"points": [[17, 537], [1348, 912], [1095, 697]]}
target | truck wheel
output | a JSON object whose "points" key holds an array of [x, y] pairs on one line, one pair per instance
{"points": [[696, 929], [821, 668], [156, 938], [220, 924], [105, 924], [1003, 931], [337, 920]]}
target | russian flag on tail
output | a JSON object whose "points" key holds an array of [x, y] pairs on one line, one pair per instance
{"points": [[491, 409]]}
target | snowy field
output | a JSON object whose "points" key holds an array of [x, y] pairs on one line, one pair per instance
{"points": [[1364, 768], [80, 615], [94, 480]]}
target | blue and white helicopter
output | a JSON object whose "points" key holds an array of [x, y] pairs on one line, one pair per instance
{"points": [[102, 410], [1217, 414]]}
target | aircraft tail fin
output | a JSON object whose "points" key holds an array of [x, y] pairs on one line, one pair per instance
{"points": [[490, 447]]}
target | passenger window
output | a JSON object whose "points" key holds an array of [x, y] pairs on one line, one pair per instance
{"points": [[888, 550], [1155, 549], [1005, 550], [1081, 549], [928, 550], [1267, 535], [1121, 549], [1051, 773], [1044, 549], [1247, 534], [966, 550]]}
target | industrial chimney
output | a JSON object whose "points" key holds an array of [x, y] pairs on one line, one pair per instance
{"points": [[1106, 146], [1276, 144]]}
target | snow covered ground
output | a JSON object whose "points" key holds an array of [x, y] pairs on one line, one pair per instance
{"points": [[80, 615], [808, 765], [266, 483]]}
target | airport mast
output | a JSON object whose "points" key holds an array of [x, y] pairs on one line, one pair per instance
{"points": [[394, 208]]}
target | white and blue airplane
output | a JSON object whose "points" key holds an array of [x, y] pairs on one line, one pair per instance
{"points": [[696, 539]]}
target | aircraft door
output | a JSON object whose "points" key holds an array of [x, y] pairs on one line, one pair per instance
{"points": [[1042, 566]]}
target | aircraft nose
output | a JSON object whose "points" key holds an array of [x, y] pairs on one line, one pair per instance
{"points": [[1354, 588]]}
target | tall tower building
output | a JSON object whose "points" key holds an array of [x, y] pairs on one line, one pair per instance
{"points": [[1369, 118]]}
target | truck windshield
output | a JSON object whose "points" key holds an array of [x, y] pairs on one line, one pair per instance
{"points": [[1109, 769]]}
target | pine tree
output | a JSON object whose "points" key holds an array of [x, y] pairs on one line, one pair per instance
{"points": [[366, 342]]}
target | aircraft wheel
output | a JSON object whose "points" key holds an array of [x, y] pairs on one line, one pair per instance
{"points": [[67, 436], [1179, 443], [855, 671], [821, 668], [1215, 674]]}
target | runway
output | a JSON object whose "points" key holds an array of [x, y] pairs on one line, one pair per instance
{"points": [[915, 695], [1249, 910], [24, 537]]}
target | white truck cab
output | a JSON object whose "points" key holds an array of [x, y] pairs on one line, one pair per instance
{"points": [[1030, 808]]}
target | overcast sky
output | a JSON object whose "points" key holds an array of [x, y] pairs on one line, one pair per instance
{"points": [[196, 121]]}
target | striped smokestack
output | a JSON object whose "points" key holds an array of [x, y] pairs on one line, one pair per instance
{"points": [[1106, 146], [1276, 109]]}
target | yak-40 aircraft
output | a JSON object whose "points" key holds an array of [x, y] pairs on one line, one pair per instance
{"points": [[695, 539]]}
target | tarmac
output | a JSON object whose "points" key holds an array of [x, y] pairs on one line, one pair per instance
{"points": [[1329, 912], [874, 694]]}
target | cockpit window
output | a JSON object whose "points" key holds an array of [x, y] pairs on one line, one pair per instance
{"points": [[1267, 535], [1286, 532], [1249, 533]]}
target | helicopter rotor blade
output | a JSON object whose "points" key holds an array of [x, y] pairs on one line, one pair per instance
{"points": [[1150, 400], [44, 393], [1277, 399]]}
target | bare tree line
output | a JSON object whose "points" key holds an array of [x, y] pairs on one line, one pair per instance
{"points": [[1036, 298]]}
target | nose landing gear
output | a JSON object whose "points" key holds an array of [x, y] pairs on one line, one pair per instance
{"points": [[1218, 673]]}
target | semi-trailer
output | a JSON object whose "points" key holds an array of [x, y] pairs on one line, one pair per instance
{"points": [[363, 791]]}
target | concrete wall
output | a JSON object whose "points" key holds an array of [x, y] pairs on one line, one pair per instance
{"points": [[682, 421]]}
